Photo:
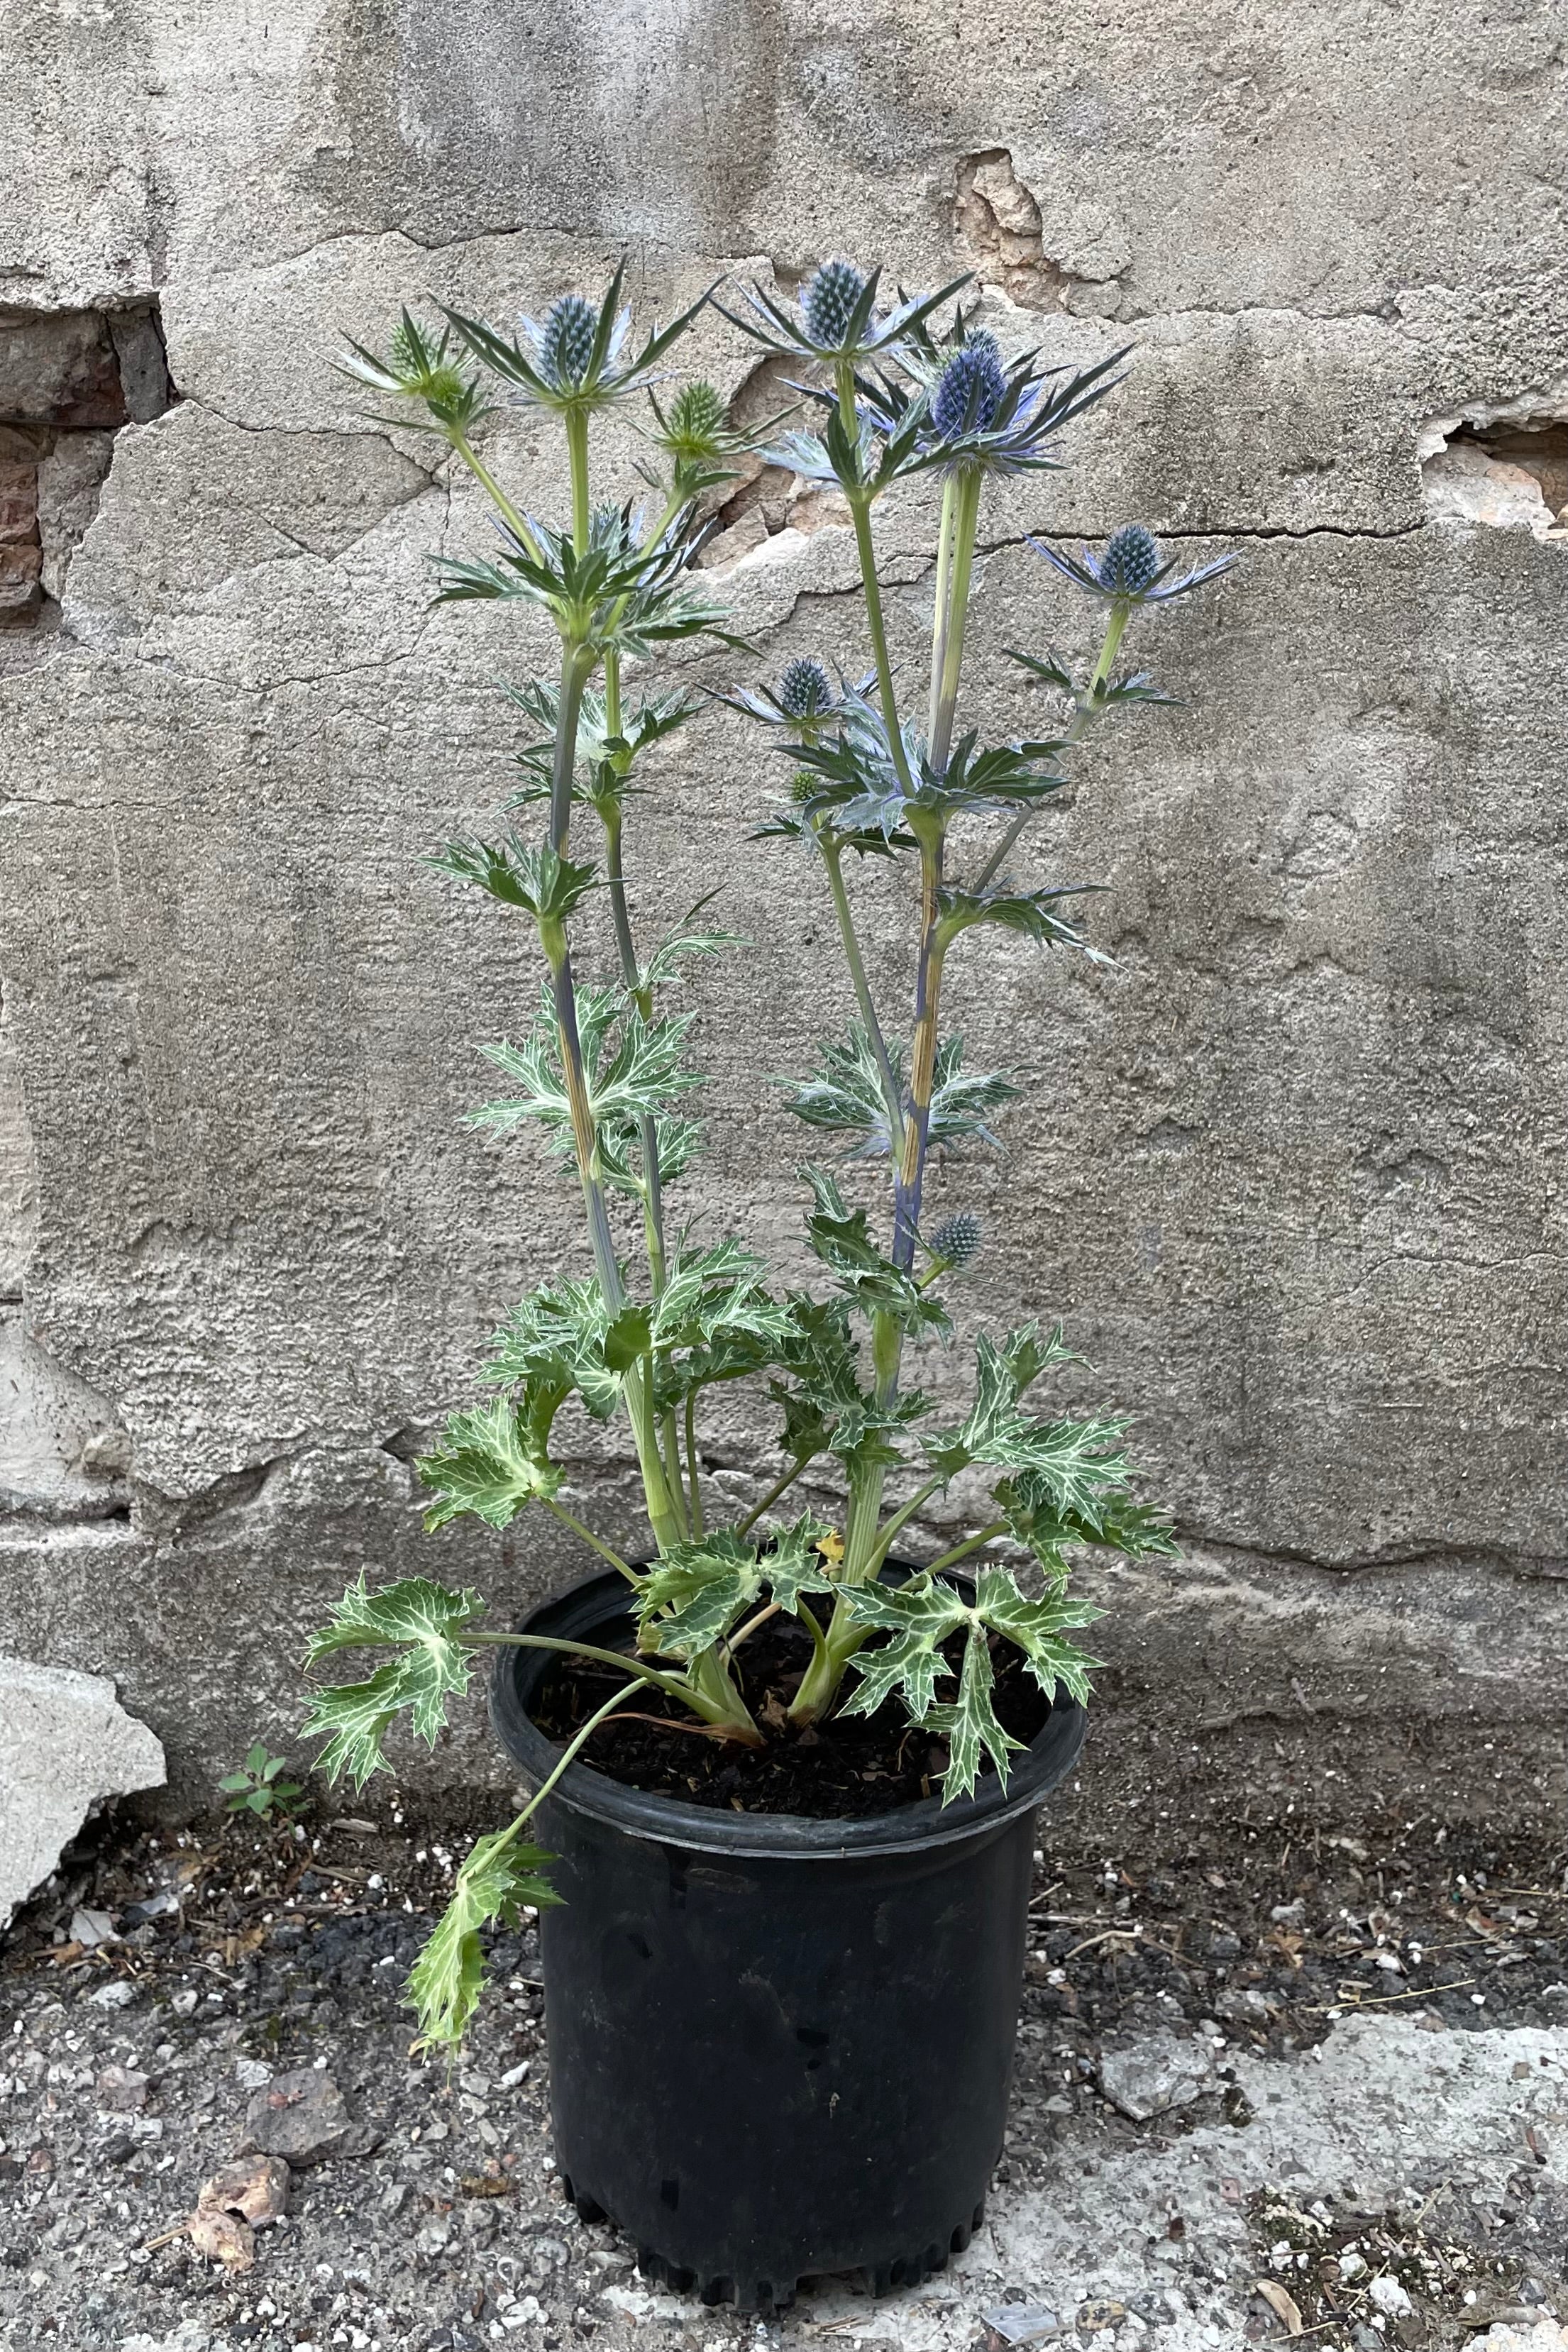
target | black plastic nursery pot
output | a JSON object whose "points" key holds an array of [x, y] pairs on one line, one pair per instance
{"points": [[778, 2047]]}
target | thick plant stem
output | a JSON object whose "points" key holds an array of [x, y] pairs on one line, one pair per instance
{"points": [[939, 611], [944, 685], [860, 509], [577, 662], [667, 1515], [910, 1173], [693, 1468], [1090, 706], [666, 1519], [833, 860], [576, 421], [709, 1676]]}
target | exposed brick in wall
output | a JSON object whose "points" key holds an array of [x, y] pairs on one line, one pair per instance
{"points": [[69, 381]]}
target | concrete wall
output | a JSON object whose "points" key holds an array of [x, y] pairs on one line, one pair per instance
{"points": [[1291, 1169]]}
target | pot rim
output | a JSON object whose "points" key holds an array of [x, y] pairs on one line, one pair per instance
{"points": [[781, 1837]]}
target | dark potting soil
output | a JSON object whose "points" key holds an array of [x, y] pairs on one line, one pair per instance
{"points": [[842, 1769]]}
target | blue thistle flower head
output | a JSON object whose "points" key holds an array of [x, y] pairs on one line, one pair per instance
{"points": [[1130, 563], [969, 391], [828, 303], [566, 341], [959, 1240], [804, 690]]}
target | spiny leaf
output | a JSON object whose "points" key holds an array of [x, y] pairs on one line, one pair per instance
{"points": [[496, 1879], [1037, 1517], [995, 1427], [1032, 912], [540, 881], [695, 1593], [841, 1237], [632, 1070], [1036, 1628], [557, 1333], [924, 1614], [714, 1291], [493, 1460], [423, 1620], [970, 1724], [845, 1095]]}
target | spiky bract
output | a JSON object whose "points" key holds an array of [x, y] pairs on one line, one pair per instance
{"points": [[804, 688], [958, 1242], [970, 390], [1131, 561], [829, 300], [566, 341]]}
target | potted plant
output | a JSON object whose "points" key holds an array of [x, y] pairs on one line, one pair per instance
{"points": [[784, 1779]]}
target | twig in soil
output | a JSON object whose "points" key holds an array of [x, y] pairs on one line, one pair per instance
{"points": [[168, 2238], [1382, 1999], [234, 1983], [1107, 1936]]}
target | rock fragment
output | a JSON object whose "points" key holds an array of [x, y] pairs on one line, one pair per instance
{"points": [[1155, 2074], [65, 1744], [224, 2239], [1013, 2324], [256, 2186], [121, 2090], [305, 2118]]}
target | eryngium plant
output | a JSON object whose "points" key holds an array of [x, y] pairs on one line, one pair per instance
{"points": [[604, 1073]]}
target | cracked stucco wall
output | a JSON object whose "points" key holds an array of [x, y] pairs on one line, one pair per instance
{"points": [[1291, 1170]]}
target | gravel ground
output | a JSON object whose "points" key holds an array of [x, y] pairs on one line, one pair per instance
{"points": [[1282, 2056]]}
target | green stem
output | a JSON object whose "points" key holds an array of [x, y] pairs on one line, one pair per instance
{"points": [[576, 664], [769, 1609], [939, 610], [910, 1175], [672, 1685], [860, 509], [709, 1679], [666, 1519], [573, 1747], [780, 1486], [1090, 706], [576, 422], [897, 1523], [965, 524], [513, 516], [833, 858], [652, 1186], [970, 1543], [570, 1519], [709, 1694], [694, 1487], [830, 1656]]}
